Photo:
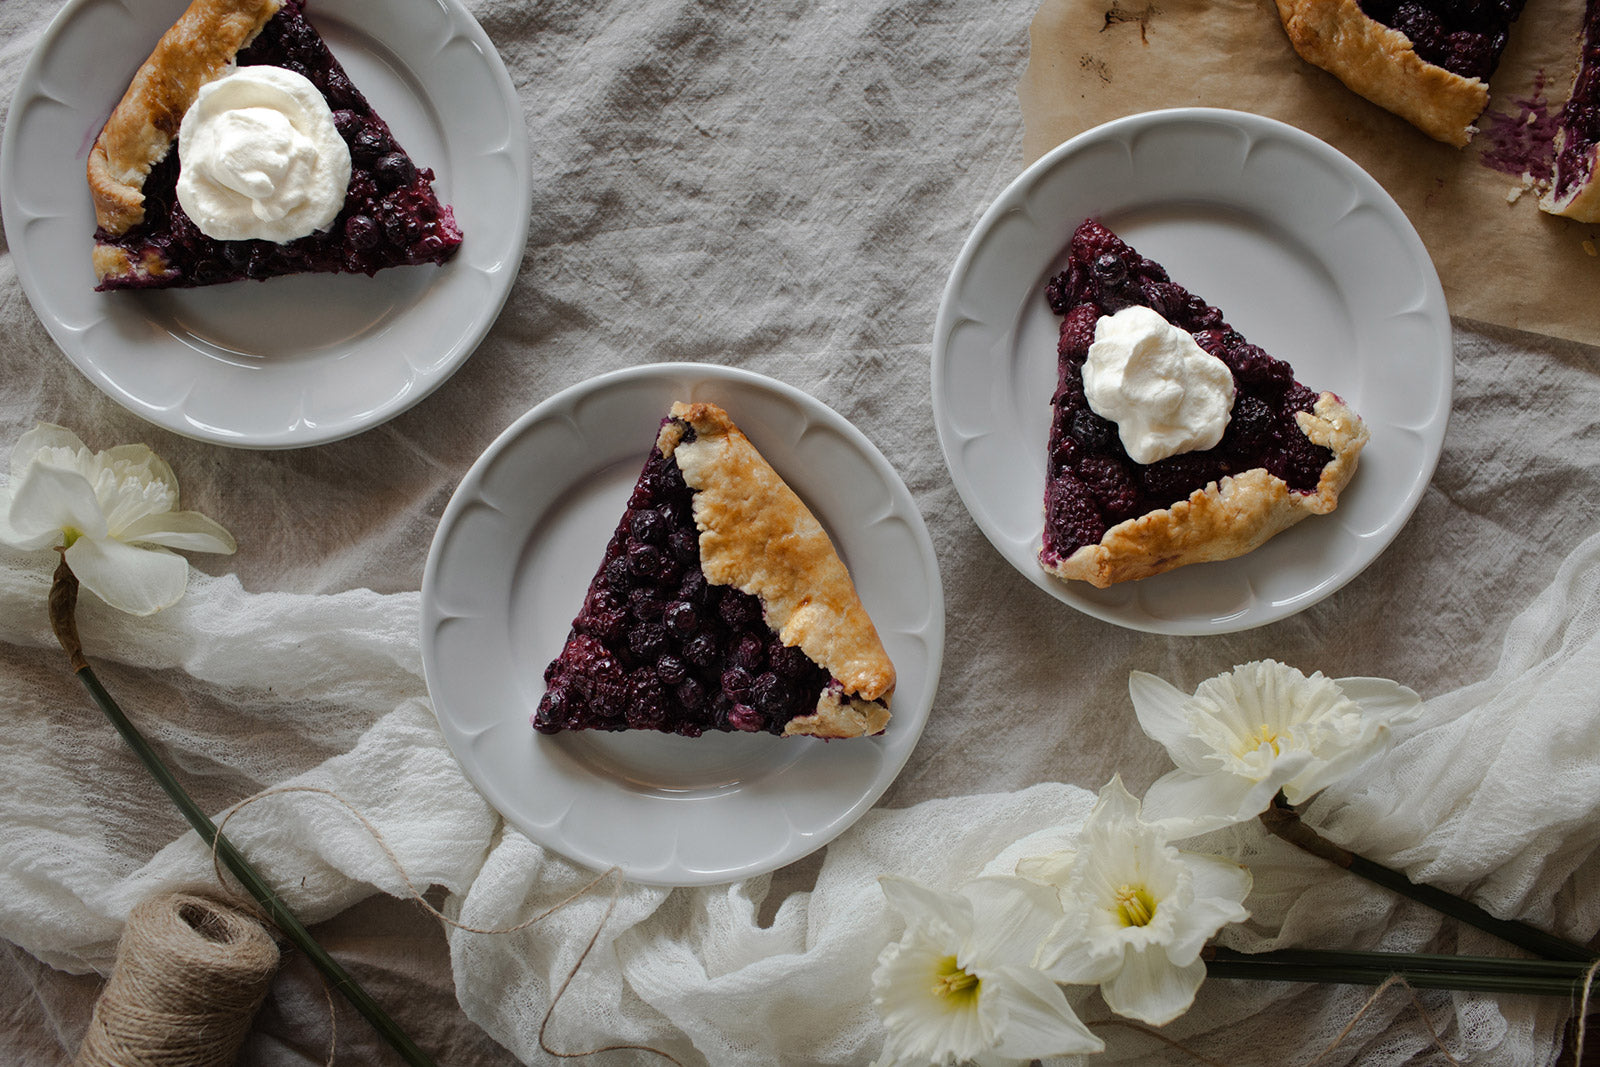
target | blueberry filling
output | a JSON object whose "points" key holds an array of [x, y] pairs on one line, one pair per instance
{"points": [[1580, 118], [657, 647], [1465, 37], [1091, 483], [390, 215]]}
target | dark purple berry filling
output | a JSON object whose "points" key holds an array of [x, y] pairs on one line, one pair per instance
{"points": [[1465, 37], [657, 647], [1580, 118], [390, 215], [1091, 483]]}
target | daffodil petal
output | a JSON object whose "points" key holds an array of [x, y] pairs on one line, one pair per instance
{"points": [[1163, 713], [186, 530], [1318, 776], [992, 1059], [10, 535], [1050, 868], [1010, 917], [1069, 955], [158, 469], [1116, 804], [42, 436], [1039, 1022], [922, 907], [1382, 699], [1185, 805], [46, 501], [139, 581], [1150, 988], [1220, 886], [920, 1026]]}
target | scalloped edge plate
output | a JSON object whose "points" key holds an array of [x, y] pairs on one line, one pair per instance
{"points": [[1306, 255], [507, 571], [294, 361]]}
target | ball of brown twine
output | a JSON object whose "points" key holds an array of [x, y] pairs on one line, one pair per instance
{"points": [[191, 971]]}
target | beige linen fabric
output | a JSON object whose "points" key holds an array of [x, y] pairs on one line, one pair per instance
{"points": [[781, 187]]}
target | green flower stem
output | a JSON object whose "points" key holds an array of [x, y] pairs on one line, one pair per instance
{"points": [[63, 599], [1282, 820], [1483, 974]]}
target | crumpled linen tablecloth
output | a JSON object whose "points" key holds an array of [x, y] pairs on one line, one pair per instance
{"points": [[781, 187]]}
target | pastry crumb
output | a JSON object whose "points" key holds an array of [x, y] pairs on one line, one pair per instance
{"points": [[1588, 246]]}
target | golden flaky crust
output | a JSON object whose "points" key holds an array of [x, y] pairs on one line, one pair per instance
{"points": [[757, 536], [141, 130], [1380, 64], [838, 715], [1226, 518]]}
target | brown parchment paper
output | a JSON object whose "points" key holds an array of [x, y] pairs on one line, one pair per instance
{"points": [[1501, 261]]}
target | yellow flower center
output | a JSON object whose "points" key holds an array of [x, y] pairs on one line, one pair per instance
{"points": [[1265, 737], [954, 984], [1135, 905]]}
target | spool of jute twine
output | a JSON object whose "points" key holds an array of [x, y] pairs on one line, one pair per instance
{"points": [[191, 971]]}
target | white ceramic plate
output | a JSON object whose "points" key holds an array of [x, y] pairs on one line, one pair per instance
{"points": [[512, 558], [291, 361], [1305, 254]]}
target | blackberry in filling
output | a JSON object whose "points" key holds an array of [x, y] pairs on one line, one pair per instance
{"points": [[390, 217], [1580, 118], [1465, 37], [657, 647], [1091, 483]]}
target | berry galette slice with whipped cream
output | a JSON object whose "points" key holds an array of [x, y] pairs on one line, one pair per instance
{"points": [[241, 149], [1173, 440], [719, 604]]}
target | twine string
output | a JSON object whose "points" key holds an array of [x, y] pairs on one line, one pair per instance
{"points": [[190, 972], [1172, 1043], [1583, 1014], [1416, 1002], [417, 896]]}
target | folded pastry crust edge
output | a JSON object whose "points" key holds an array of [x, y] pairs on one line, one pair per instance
{"points": [[144, 125], [756, 535], [1227, 518], [1379, 63]]}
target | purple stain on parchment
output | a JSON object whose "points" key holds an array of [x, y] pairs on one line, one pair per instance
{"points": [[1521, 140]]}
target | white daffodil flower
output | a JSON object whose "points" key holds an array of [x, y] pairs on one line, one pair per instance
{"points": [[113, 512], [1136, 911], [1256, 729], [960, 987]]}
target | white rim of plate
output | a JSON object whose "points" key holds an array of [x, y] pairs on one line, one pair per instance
{"points": [[353, 372], [591, 796], [1006, 241]]}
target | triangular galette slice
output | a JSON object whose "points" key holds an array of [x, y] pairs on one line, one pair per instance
{"points": [[720, 604], [1284, 451], [388, 214]]}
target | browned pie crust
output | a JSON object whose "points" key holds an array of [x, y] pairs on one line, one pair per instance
{"points": [[757, 536], [1227, 518], [144, 125], [1379, 63]]}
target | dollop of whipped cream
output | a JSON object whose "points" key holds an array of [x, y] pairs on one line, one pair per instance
{"points": [[1165, 393], [259, 157]]}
